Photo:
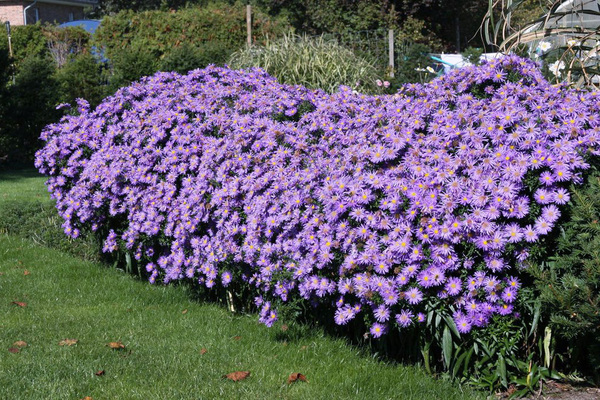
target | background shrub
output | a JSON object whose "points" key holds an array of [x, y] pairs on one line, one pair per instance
{"points": [[189, 56], [311, 62], [206, 28]]}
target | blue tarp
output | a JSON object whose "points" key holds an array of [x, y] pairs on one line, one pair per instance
{"points": [[89, 25]]}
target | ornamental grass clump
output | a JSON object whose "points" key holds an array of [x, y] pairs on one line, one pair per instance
{"points": [[373, 204]]}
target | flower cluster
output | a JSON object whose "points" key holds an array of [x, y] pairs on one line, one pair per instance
{"points": [[374, 204]]}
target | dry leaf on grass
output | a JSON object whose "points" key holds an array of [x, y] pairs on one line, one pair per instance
{"points": [[237, 337], [14, 350], [203, 351], [68, 342], [87, 398], [184, 311], [237, 375], [100, 373], [26, 272], [116, 345], [19, 303], [296, 376], [20, 343]]}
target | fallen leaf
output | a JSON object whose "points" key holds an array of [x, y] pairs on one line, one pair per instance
{"points": [[87, 398], [26, 272], [184, 311], [100, 373], [303, 347], [116, 345], [20, 343], [284, 327], [237, 375], [19, 303], [68, 342], [237, 337], [203, 351], [296, 376], [14, 350]]}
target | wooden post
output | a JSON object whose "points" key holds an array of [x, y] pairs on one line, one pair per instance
{"points": [[391, 52], [249, 23]]}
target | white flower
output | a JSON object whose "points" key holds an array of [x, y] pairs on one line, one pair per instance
{"points": [[544, 46], [430, 70], [556, 67], [573, 42]]}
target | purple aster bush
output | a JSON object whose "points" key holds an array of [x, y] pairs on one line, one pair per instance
{"points": [[375, 205]]}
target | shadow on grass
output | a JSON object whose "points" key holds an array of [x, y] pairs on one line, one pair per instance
{"points": [[16, 175]]}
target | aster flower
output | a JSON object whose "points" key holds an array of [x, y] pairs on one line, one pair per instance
{"points": [[404, 319], [350, 197], [377, 330]]}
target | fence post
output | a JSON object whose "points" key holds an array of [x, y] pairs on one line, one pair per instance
{"points": [[249, 23], [391, 52]]}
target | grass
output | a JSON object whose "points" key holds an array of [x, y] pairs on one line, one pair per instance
{"points": [[174, 347], [23, 186]]}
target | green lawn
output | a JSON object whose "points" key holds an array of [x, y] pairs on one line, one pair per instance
{"points": [[174, 347]]}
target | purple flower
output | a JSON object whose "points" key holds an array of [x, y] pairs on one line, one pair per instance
{"points": [[370, 200], [404, 319], [377, 330], [463, 324]]}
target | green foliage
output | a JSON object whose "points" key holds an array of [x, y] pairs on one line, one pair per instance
{"points": [[412, 67], [314, 63], [66, 43], [27, 41], [188, 57], [568, 282], [130, 64], [472, 55], [215, 30], [413, 30], [29, 104], [83, 77]]}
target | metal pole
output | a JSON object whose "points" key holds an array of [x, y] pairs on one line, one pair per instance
{"points": [[391, 52], [9, 47], [7, 24], [249, 23]]}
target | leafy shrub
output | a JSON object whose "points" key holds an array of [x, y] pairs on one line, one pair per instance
{"points": [[568, 280], [380, 205], [314, 63], [188, 57], [131, 64], [158, 32], [83, 77], [29, 105], [27, 41]]}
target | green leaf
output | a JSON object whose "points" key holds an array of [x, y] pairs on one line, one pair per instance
{"points": [[536, 316], [447, 347], [502, 370]]}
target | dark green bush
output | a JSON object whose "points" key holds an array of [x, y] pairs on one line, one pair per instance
{"points": [[83, 77], [188, 57], [568, 281], [29, 104]]}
